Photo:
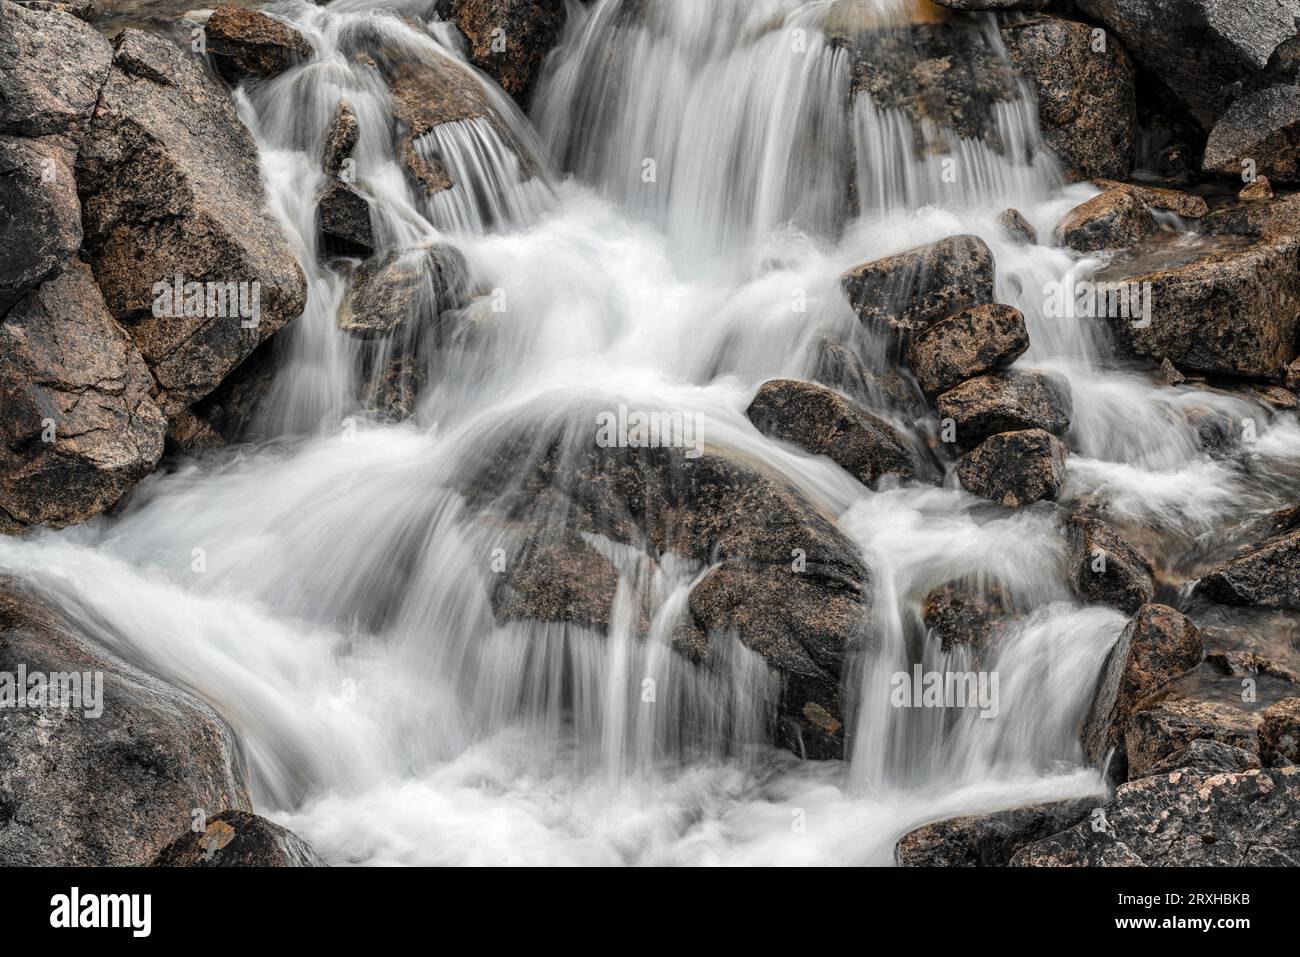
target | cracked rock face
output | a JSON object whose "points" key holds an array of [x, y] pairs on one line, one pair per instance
{"points": [[40, 218], [77, 425]]}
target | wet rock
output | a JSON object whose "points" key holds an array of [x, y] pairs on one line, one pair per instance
{"points": [[341, 138], [233, 410], [1187, 818], [982, 5], [1187, 205], [109, 790], [1198, 48], [77, 425], [960, 613], [825, 423], [1262, 128], [1006, 402], [1265, 574], [1279, 734], [1015, 468], [40, 216], [1105, 569], [1157, 645], [1116, 219], [906, 292], [1258, 217], [238, 839], [404, 289], [188, 434], [509, 39], [173, 202], [1234, 312], [1209, 756], [1017, 228], [967, 344], [51, 68], [988, 840], [245, 44], [85, 10], [558, 581], [1169, 372], [1086, 99], [835, 362], [1256, 190], [1237, 663], [343, 221], [1152, 736]]}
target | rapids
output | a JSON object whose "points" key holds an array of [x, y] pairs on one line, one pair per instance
{"points": [[323, 590]]}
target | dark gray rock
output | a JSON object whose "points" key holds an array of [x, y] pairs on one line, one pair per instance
{"points": [[989, 840], [1116, 219], [343, 221], [528, 30], [1265, 574], [52, 66], [1106, 569], [1154, 735], [245, 44], [1015, 468], [1017, 228], [960, 613], [40, 216], [1263, 127], [1210, 756], [1279, 734], [1007, 402]]}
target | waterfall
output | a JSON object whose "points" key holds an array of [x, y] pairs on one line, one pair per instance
{"points": [[686, 170]]}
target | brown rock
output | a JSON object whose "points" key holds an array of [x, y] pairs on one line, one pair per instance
{"points": [[1187, 205], [340, 138], [404, 289], [1017, 228], [245, 44], [1015, 468], [1262, 128], [1106, 569], [1258, 217], [1265, 574], [1116, 219], [966, 344], [40, 216], [1256, 190], [1153, 735], [238, 839], [1279, 734], [1006, 402], [51, 68], [1208, 755], [960, 613], [343, 221], [988, 840], [509, 39], [557, 581]]}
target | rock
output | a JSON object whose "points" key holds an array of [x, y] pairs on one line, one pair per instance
{"points": [[77, 425], [967, 344], [1208, 755], [1006, 402], [52, 66], [1238, 663], [1258, 217], [188, 434], [906, 292], [1017, 228], [988, 840], [40, 216], [1187, 818], [85, 10], [1015, 468], [825, 423], [343, 221], [1262, 128], [1279, 734], [1256, 190], [1169, 372], [1234, 312], [1157, 645], [245, 44], [557, 581], [233, 410], [1291, 375], [341, 138], [1265, 574], [835, 362], [238, 839], [1105, 569], [109, 790], [1153, 736], [982, 5], [1116, 219], [404, 289], [509, 39], [1187, 205], [172, 202], [1198, 48], [960, 613], [1086, 99]]}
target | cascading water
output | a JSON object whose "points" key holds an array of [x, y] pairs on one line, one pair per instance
{"points": [[340, 619]]}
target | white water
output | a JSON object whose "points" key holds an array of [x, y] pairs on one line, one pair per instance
{"points": [[341, 622]]}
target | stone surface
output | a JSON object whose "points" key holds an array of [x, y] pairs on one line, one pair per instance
{"points": [[509, 39], [238, 839], [1264, 128], [908, 291], [960, 613], [51, 68], [564, 580], [1157, 645], [40, 216], [1279, 734], [1086, 100], [1154, 735], [1264, 574], [1106, 569], [1185, 204], [967, 344], [825, 423], [1258, 217], [341, 138], [77, 425], [108, 790], [343, 220], [245, 44], [988, 840], [1257, 189], [1015, 468], [404, 290], [1206, 754], [1017, 228], [1115, 219], [170, 186], [1006, 402]]}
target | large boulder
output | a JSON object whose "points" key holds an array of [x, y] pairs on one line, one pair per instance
{"points": [[343, 221], [1265, 574], [1199, 49], [1015, 468], [77, 425], [1006, 402], [556, 580], [1264, 129], [906, 292], [988, 840], [1106, 569], [966, 344], [1279, 733], [1185, 204], [1257, 218], [509, 39], [52, 66], [1086, 100], [108, 788], [404, 290], [1115, 219], [963, 614], [1234, 311], [244, 44], [238, 839], [1207, 754], [1157, 645], [825, 423], [176, 222], [1187, 818], [1154, 736], [40, 216]]}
